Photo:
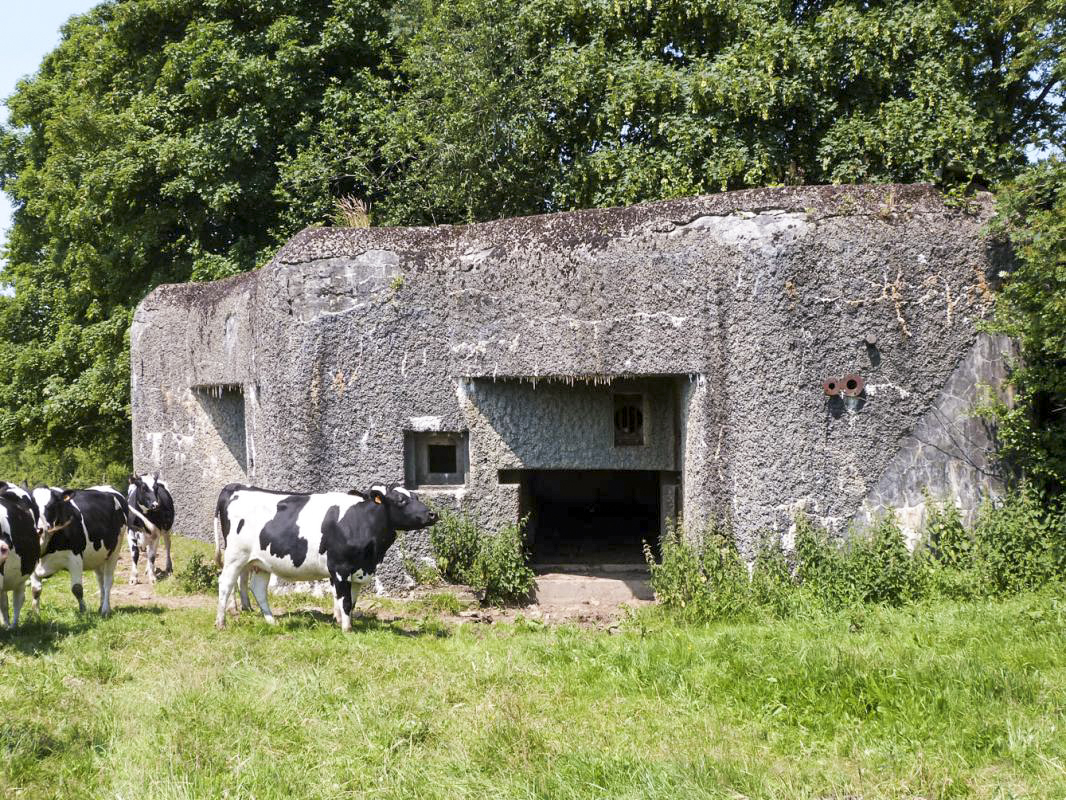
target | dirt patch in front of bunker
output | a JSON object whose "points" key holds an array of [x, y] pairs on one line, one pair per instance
{"points": [[602, 610]]}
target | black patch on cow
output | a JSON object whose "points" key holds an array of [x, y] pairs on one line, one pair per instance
{"points": [[162, 517], [240, 525], [281, 537], [356, 541], [221, 507], [222, 504], [23, 540], [103, 514], [140, 496]]}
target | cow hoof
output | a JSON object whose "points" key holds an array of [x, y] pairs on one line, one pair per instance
{"points": [[220, 624], [133, 581]]}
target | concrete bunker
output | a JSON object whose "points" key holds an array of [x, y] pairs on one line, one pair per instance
{"points": [[518, 349]]}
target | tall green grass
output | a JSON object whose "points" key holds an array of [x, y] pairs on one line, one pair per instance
{"points": [[931, 700], [1017, 544]]}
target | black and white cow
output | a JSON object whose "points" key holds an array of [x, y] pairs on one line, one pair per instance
{"points": [[19, 548], [22, 492], [151, 516], [305, 537], [80, 529]]}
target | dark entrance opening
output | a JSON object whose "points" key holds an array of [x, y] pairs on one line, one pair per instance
{"points": [[590, 517]]}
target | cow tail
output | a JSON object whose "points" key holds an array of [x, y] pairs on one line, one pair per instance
{"points": [[218, 542]]}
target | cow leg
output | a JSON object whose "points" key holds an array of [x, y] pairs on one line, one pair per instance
{"points": [[3, 607], [153, 547], [135, 552], [106, 576], [240, 597], [76, 589], [18, 596], [242, 585], [166, 543], [357, 589], [259, 581], [342, 587], [35, 587], [231, 573]]}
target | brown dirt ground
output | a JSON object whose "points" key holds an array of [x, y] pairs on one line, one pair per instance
{"points": [[590, 614]]}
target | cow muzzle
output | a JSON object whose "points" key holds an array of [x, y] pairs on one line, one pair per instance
{"points": [[4, 550]]}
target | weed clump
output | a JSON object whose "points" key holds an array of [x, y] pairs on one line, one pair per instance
{"points": [[455, 540], [198, 576], [1016, 545], [494, 565]]}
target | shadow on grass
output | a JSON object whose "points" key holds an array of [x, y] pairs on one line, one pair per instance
{"points": [[306, 619], [38, 635]]}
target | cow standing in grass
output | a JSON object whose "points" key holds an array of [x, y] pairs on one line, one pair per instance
{"points": [[80, 529], [151, 516], [306, 537], [19, 548]]}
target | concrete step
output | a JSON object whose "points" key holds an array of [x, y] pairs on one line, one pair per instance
{"points": [[568, 589], [596, 568]]}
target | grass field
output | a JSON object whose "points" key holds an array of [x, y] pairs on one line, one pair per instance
{"points": [[946, 700]]}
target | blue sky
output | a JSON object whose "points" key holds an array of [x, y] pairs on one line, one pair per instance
{"points": [[30, 29]]}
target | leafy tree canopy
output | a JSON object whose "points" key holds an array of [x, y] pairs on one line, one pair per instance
{"points": [[168, 140], [1031, 307]]}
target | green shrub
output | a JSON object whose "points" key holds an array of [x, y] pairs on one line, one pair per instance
{"points": [[501, 571], [880, 565], [455, 540], [944, 535], [773, 588], [1018, 543], [198, 576], [945, 557], [676, 578], [75, 466], [495, 565], [824, 568], [702, 578]]}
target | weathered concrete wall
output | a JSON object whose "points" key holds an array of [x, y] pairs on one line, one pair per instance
{"points": [[729, 310]]}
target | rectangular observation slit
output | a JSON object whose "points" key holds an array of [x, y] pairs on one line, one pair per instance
{"points": [[435, 458], [628, 420]]}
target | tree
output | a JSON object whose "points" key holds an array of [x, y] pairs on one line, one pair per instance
{"points": [[168, 140], [1031, 307], [150, 148], [508, 106]]}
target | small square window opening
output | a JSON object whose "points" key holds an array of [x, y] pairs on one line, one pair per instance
{"points": [[435, 458], [442, 458]]}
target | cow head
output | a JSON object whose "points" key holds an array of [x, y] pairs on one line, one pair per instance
{"points": [[142, 492], [406, 512], [57, 513]]}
